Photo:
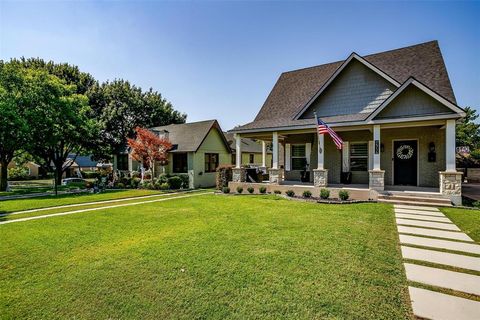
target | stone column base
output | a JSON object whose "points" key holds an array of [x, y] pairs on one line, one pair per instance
{"points": [[275, 175], [320, 177], [239, 174], [451, 185], [376, 179]]}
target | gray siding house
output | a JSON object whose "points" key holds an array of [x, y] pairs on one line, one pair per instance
{"points": [[395, 111]]}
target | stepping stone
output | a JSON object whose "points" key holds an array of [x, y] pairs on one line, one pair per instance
{"points": [[403, 206], [435, 233], [457, 281], [420, 217], [438, 306], [448, 259], [423, 213], [438, 225], [440, 244]]}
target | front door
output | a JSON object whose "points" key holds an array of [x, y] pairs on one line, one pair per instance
{"points": [[405, 155]]}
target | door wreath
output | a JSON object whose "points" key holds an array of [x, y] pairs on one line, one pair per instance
{"points": [[404, 152]]}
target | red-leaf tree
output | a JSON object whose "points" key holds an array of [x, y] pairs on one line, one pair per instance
{"points": [[147, 148]]}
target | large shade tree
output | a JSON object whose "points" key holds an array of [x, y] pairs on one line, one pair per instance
{"points": [[15, 96], [120, 107]]}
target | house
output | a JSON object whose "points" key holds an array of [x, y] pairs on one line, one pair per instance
{"points": [[198, 149], [395, 111], [83, 163], [254, 153], [34, 170]]}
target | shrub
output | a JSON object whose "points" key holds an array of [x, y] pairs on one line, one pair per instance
{"points": [[164, 186], [307, 194], [277, 191], [136, 174], [223, 176], [134, 182], [262, 189], [162, 178], [250, 189], [121, 185], [17, 173], [77, 185], [343, 195], [90, 174], [324, 194], [89, 184], [185, 180], [239, 189], [226, 190], [175, 182], [290, 193]]}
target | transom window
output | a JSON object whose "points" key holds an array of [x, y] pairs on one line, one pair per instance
{"points": [[211, 162], [298, 156], [359, 156]]}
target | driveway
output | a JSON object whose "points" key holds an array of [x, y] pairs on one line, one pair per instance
{"points": [[471, 190]]}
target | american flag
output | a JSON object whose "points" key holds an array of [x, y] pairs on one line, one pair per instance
{"points": [[323, 128]]}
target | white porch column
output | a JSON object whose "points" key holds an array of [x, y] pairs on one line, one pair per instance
{"points": [[130, 163], [321, 152], [238, 151], [275, 150], [376, 147], [275, 173], [450, 145], [264, 153]]}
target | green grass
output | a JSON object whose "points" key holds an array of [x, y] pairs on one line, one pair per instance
{"points": [[8, 206], [34, 186], [210, 256], [467, 220]]}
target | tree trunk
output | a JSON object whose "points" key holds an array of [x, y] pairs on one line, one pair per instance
{"points": [[3, 176], [59, 174]]}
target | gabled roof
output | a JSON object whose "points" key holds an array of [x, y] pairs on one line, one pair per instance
{"points": [[339, 70], [248, 145], [422, 87], [294, 90], [188, 137], [83, 161]]}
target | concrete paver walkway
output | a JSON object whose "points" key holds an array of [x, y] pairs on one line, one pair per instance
{"points": [[438, 306], [415, 223]]}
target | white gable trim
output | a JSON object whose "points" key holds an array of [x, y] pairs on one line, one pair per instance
{"points": [[425, 89], [338, 71]]}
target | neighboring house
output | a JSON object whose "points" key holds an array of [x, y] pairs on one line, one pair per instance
{"points": [[198, 149], [33, 168], [254, 153], [395, 110], [83, 163]]}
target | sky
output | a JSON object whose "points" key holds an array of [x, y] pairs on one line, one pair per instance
{"points": [[219, 60]]}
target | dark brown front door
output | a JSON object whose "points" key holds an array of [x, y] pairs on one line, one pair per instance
{"points": [[405, 155]]}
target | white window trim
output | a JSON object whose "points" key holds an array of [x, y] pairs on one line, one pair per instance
{"points": [[361, 157], [291, 156]]}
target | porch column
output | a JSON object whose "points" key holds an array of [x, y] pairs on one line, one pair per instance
{"points": [[450, 179], [264, 153], [320, 175], [238, 150], [130, 163], [238, 173], [450, 145], [376, 176], [275, 173]]}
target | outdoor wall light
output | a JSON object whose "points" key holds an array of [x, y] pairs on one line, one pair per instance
{"points": [[382, 148], [432, 155]]}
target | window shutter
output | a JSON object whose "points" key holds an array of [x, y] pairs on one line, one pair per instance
{"points": [[308, 152], [370, 155], [287, 157], [346, 157]]}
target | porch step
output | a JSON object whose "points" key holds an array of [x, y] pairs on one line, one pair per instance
{"points": [[415, 200]]}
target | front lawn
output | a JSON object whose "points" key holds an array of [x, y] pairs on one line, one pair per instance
{"points": [[467, 220], [207, 256]]}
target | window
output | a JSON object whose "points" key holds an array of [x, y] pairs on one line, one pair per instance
{"points": [[211, 162], [359, 156], [122, 162], [299, 160], [180, 163], [251, 158]]}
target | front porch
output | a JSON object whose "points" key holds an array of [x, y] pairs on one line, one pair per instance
{"points": [[411, 157]]}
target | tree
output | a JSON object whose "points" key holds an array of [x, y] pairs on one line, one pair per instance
{"points": [[120, 107], [147, 148], [14, 128], [468, 132]]}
